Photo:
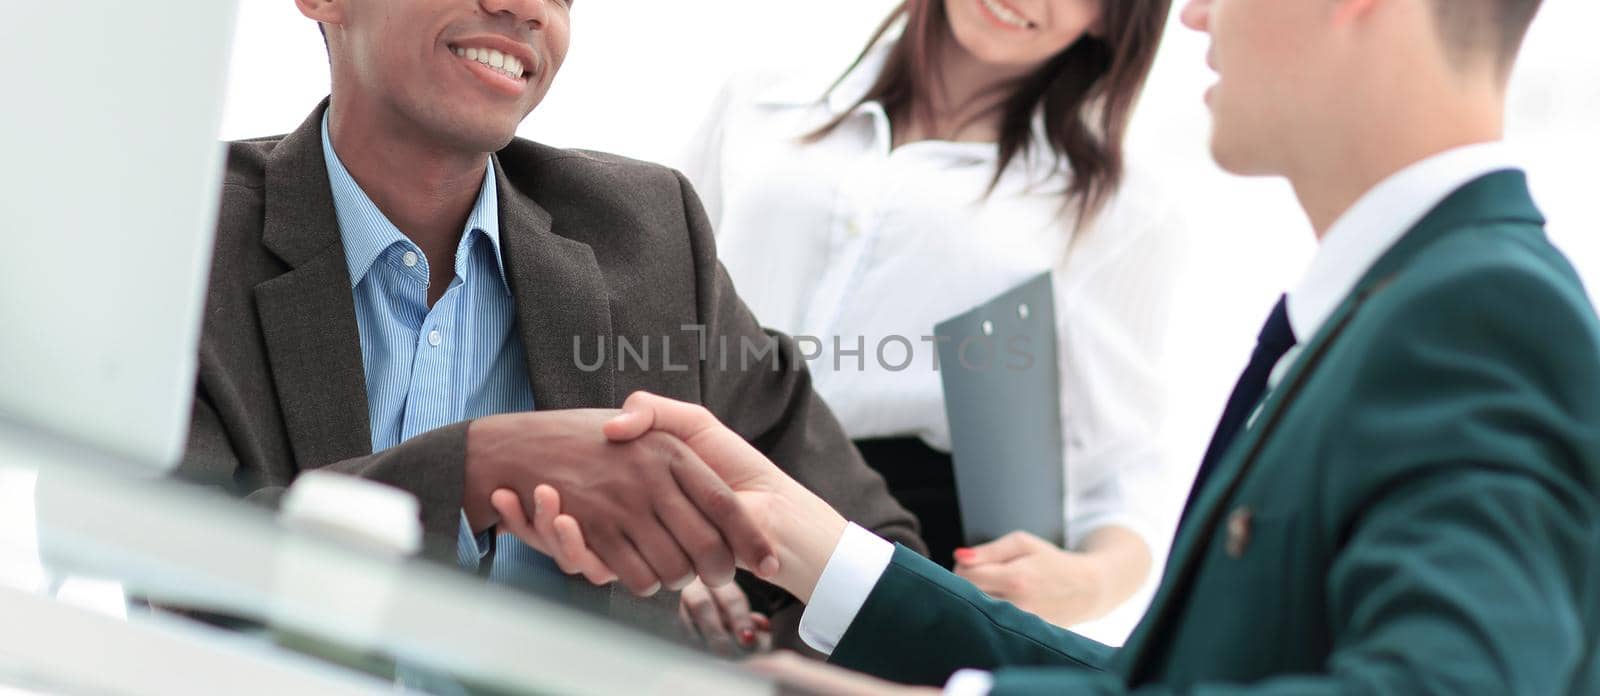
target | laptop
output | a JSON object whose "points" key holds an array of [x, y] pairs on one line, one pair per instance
{"points": [[109, 187]]}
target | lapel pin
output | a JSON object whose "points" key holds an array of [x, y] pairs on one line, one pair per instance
{"points": [[1238, 529]]}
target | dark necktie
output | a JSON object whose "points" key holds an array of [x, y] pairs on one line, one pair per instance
{"points": [[1276, 338]]}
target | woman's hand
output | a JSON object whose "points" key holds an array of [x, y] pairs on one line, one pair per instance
{"points": [[721, 618], [1062, 587]]}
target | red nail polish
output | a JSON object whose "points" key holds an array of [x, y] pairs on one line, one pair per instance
{"points": [[964, 555], [747, 637]]}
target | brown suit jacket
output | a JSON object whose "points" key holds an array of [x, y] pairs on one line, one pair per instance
{"points": [[596, 247]]}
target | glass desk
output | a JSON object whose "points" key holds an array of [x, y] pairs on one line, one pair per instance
{"points": [[305, 615]]}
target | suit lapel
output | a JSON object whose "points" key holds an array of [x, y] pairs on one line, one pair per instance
{"points": [[560, 296], [307, 315], [1199, 528], [308, 318], [1496, 196]]}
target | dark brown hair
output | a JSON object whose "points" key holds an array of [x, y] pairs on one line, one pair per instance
{"points": [[1471, 26], [1087, 91]]}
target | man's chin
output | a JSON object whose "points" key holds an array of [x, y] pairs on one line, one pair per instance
{"points": [[500, 143], [1236, 159], [480, 137]]}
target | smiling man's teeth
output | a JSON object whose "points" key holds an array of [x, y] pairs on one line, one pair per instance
{"points": [[494, 60], [1006, 15]]}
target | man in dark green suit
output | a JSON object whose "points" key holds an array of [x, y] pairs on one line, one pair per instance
{"points": [[1403, 496]]}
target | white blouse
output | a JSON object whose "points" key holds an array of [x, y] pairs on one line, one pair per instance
{"points": [[849, 241]]}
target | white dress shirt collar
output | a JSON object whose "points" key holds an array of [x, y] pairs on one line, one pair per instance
{"points": [[821, 83], [838, 96], [1379, 219]]}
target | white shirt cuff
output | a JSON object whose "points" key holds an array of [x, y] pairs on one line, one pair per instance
{"points": [[855, 567], [969, 682]]}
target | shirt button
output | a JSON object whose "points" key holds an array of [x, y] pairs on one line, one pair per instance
{"points": [[435, 338], [410, 259], [853, 229]]}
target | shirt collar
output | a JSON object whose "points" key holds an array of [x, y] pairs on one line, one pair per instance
{"points": [[1379, 219], [815, 83], [366, 232], [838, 95], [856, 83]]}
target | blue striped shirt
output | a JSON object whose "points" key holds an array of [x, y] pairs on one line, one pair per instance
{"points": [[430, 367]]}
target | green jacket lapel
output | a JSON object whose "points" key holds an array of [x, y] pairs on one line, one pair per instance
{"points": [[1497, 197], [1494, 197], [1198, 530]]}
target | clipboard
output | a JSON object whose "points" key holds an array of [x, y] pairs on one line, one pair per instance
{"points": [[1002, 400]]}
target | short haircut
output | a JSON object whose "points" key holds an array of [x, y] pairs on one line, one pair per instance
{"points": [[1475, 27]]}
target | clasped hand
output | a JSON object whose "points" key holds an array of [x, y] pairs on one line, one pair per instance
{"points": [[801, 528], [655, 515], [782, 532]]}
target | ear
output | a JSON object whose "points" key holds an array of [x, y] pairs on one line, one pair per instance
{"points": [[322, 11]]}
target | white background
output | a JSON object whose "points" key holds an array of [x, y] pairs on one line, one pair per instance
{"points": [[641, 73]]}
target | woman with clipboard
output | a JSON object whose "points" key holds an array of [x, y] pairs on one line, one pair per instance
{"points": [[971, 146]]}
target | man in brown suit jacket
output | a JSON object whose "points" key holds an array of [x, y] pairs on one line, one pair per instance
{"points": [[595, 248]]}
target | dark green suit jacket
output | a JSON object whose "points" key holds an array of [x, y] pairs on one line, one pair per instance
{"points": [[1413, 511]]}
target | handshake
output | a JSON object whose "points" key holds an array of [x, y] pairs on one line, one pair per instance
{"points": [[652, 497]]}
